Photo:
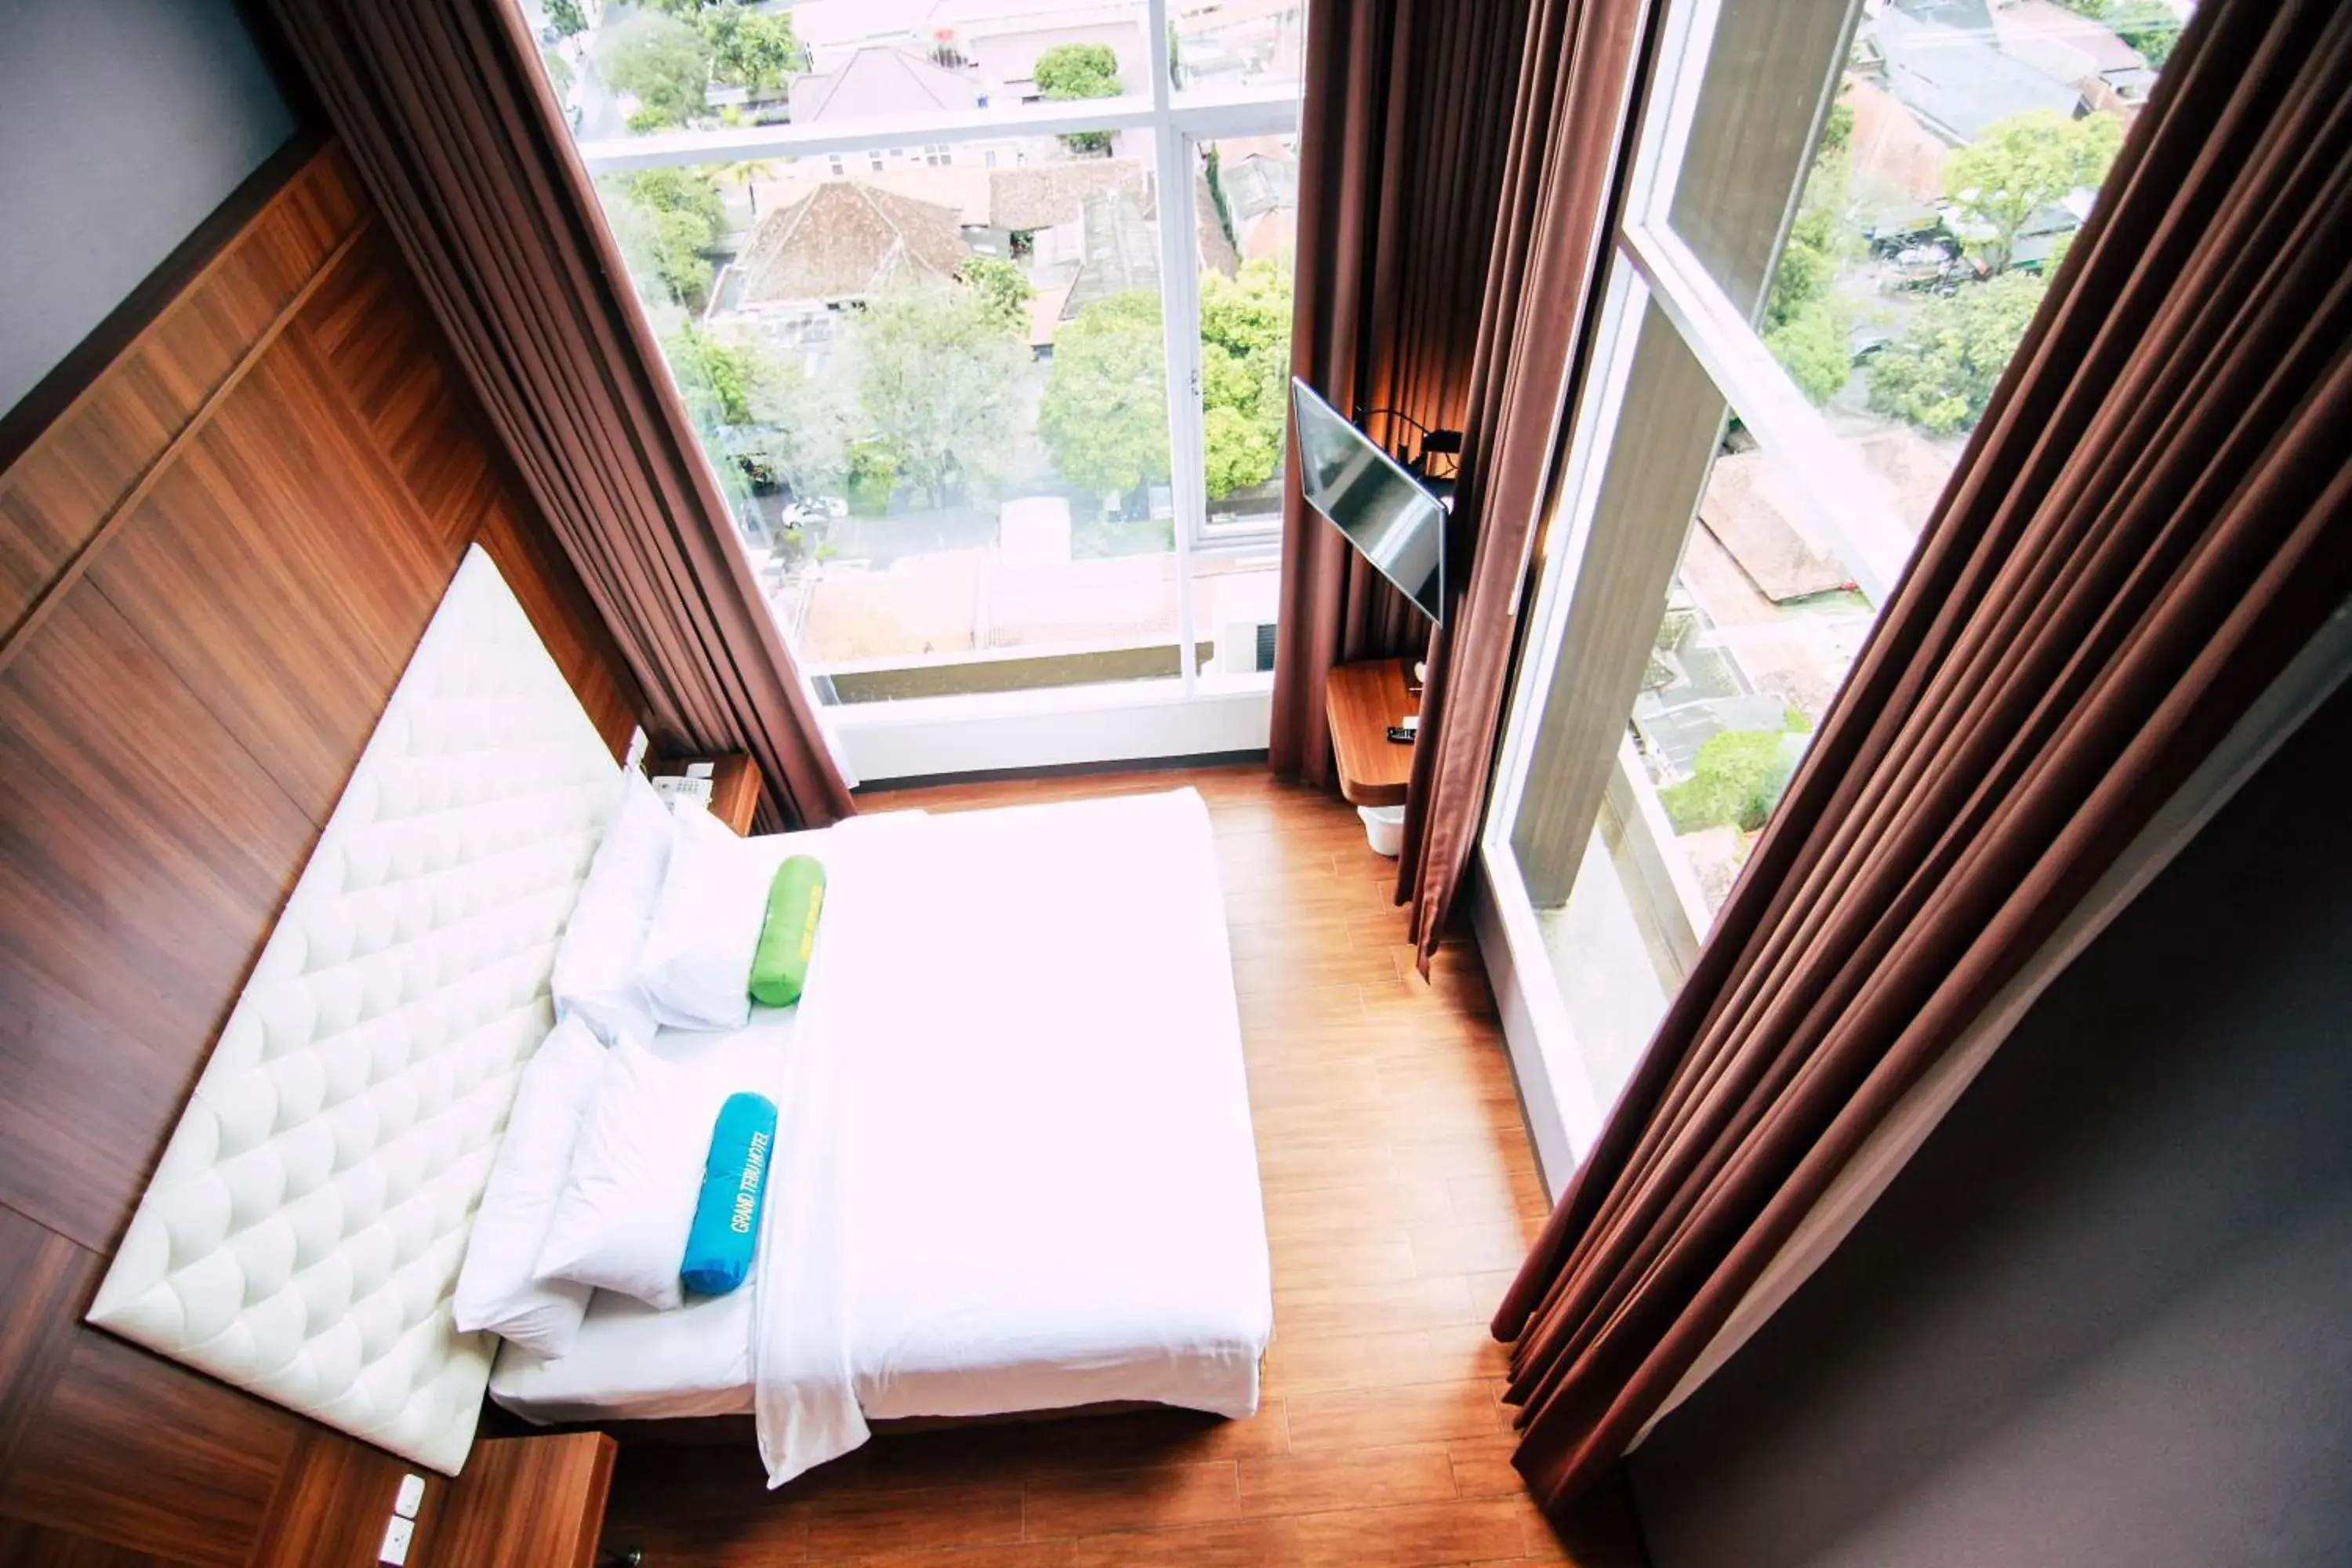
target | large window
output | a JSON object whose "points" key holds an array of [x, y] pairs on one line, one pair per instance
{"points": [[981, 309], [1842, 217]]}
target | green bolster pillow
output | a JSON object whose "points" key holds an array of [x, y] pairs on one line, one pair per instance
{"points": [[725, 1230], [780, 965]]}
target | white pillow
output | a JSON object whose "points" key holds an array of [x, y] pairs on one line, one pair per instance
{"points": [[695, 967], [499, 1289], [595, 964], [636, 1170]]}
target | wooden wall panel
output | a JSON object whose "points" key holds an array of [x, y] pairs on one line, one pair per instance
{"points": [[214, 566], [297, 635], [141, 849], [370, 325], [55, 497]]}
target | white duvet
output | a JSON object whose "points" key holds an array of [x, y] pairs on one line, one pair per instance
{"points": [[1014, 1165]]}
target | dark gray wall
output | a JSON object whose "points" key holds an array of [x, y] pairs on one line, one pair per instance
{"points": [[2105, 1315], [123, 123]]}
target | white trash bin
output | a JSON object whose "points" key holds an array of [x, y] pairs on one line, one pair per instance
{"points": [[1384, 826]]}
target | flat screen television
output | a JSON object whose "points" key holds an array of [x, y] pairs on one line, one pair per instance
{"points": [[1389, 517]]}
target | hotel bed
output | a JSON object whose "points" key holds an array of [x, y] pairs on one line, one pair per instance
{"points": [[1014, 1168]]}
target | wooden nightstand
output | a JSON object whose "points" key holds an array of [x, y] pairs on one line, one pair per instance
{"points": [[734, 786], [1362, 700], [522, 1502]]}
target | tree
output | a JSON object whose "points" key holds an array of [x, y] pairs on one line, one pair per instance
{"points": [[665, 64], [1736, 779], [940, 382], [1805, 322], [2024, 163], [1941, 372], [1068, 73], [665, 220], [1005, 291], [566, 18], [1105, 412], [804, 426], [559, 73], [719, 382], [1244, 374], [1814, 348], [2151, 26], [750, 48]]}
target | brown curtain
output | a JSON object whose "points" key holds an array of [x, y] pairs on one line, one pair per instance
{"points": [[2154, 514], [1401, 148], [1562, 166], [441, 106]]}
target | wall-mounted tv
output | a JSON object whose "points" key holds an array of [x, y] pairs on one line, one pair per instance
{"points": [[1387, 514]]}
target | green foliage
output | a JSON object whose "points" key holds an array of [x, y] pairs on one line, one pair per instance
{"points": [[1736, 780], [1105, 412], [873, 474], [1837, 130], [665, 219], [565, 18], [1813, 348], [1805, 322], [1004, 290], [940, 382], [664, 63], [2023, 163], [1071, 71], [1941, 372], [1244, 374], [2151, 26], [559, 73], [750, 48], [1068, 72], [718, 381]]}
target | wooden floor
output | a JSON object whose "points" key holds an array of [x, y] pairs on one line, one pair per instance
{"points": [[1399, 1195]]}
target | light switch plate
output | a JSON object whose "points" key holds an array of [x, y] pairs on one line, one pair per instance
{"points": [[411, 1497], [397, 1534]]}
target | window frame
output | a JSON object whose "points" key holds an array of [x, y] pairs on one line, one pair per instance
{"points": [[1178, 122], [1643, 263]]}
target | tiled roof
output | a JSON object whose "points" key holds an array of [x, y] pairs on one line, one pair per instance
{"points": [[845, 240], [1043, 196], [1748, 510]]}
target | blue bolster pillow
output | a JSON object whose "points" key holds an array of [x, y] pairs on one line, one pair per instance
{"points": [[725, 1230]]}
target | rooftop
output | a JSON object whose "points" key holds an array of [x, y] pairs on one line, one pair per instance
{"points": [[880, 80], [1955, 80], [844, 240]]}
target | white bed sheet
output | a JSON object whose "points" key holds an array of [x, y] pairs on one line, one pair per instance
{"points": [[1021, 1152], [1015, 1166]]}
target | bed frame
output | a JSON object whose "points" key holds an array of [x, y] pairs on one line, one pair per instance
{"points": [[302, 1235]]}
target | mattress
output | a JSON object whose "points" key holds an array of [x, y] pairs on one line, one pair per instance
{"points": [[1014, 1167]]}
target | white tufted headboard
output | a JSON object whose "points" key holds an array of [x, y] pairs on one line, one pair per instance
{"points": [[302, 1235]]}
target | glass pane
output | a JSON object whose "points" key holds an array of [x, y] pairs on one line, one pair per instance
{"points": [[1959, 150], [1762, 623], [1220, 44], [1249, 238], [681, 65], [936, 393], [1235, 600], [1585, 831]]}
